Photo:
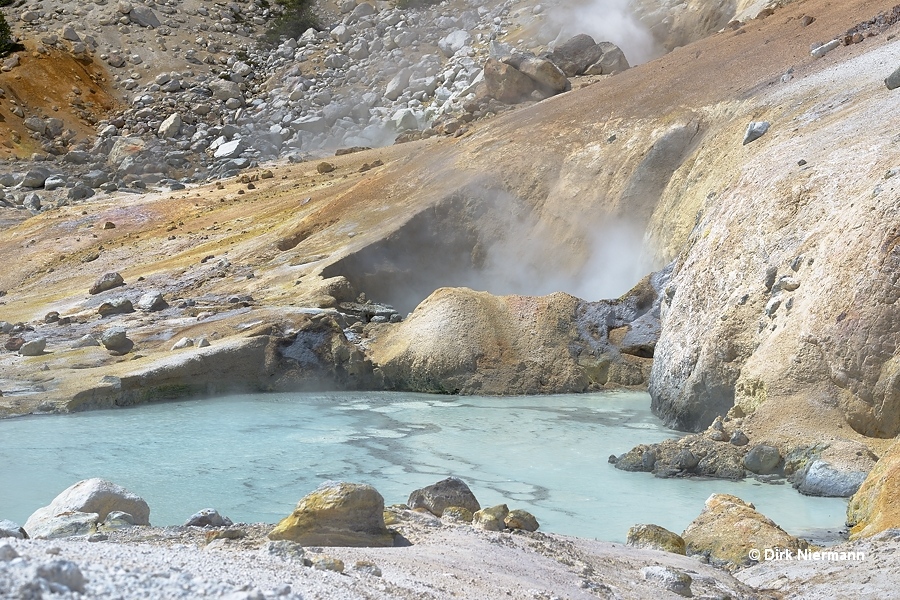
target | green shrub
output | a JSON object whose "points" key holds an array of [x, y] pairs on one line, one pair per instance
{"points": [[297, 16], [6, 43]]}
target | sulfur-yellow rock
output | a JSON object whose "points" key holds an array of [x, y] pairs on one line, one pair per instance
{"points": [[521, 519], [337, 514], [729, 528], [457, 514], [655, 537], [491, 518], [874, 507]]}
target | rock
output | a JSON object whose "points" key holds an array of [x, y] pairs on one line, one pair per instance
{"points": [[62, 572], [225, 90], [11, 529], [144, 16], [232, 149], [874, 507], [123, 148], [820, 51], [37, 125], [208, 517], [14, 343], [95, 178], [755, 130], [367, 568], [95, 496], [454, 41], [457, 514], [337, 514], [54, 182], [397, 85], [655, 537], [33, 347], [576, 54], [324, 167], [85, 341], [35, 178], [327, 563], [893, 80], [32, 203], [285, 550], [728, 528], [521, 519], [7, 553], [685, 460], [65, 524], [670, 579], [821, 478], [152, 301], [506, 83], [739, 438], [762, 459], [547, 75], [116, 340], [116, 306], [611, 62], [117, 519], [171, 127], [106, 282], [448, 492], [491, 518]]}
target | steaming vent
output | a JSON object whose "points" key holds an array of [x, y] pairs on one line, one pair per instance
{"points": [[486, 239]]}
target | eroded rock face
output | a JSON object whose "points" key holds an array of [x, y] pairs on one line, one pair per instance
{"points": [[521, 344], [90, 496], [728, 528], [337, 514], [874, 507]]}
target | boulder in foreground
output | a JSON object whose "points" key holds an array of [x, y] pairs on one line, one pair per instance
{"points": [[438, 497], [337, 514], [874, 508], [92, 496], [728, 529]]}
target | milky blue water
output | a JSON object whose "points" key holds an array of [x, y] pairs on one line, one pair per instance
{"points": [[254, 457]]}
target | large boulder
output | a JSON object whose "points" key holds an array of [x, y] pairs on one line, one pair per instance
{"points": [[497, 342], [728, 529], [96, 496], [549, 77], [506, 83], [576, 54], [337, 514], [874, 507], [436, 498]]}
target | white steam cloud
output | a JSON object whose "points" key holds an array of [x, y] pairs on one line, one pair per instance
{"points": [[605, 21]]}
